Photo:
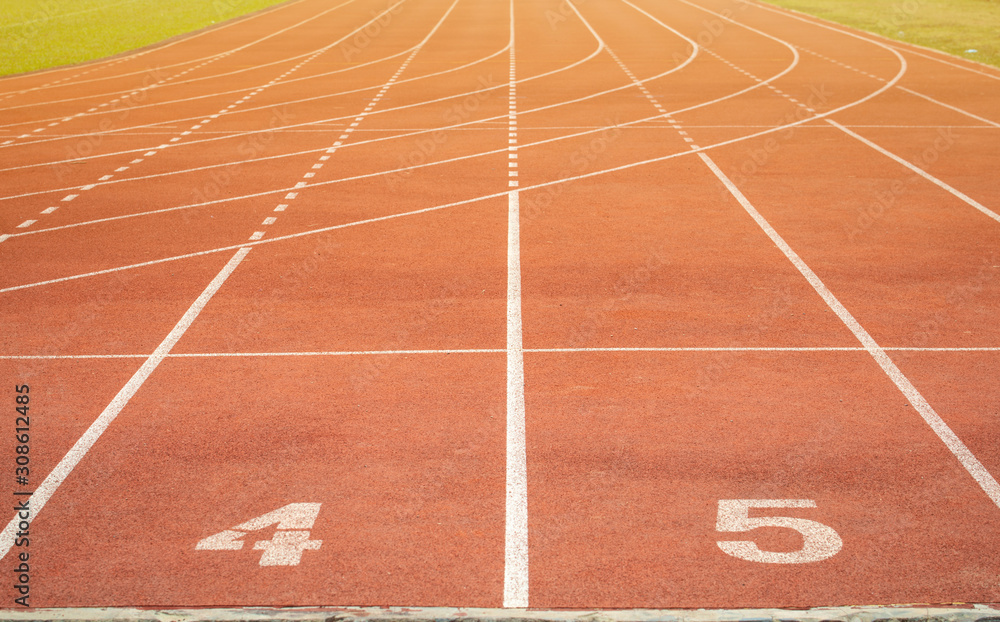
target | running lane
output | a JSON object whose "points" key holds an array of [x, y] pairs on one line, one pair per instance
{"points": [[472, 303]]}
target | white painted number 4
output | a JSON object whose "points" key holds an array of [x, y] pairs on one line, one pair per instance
{"points": [[285, 548], [819, 541]]}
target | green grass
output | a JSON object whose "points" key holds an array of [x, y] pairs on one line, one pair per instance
{"points": [[36, 34], [953, 26]]}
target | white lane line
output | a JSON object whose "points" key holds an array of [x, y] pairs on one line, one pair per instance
{"points": [[321, 121], [292, 195], [982, 208], [769, 349], [915, 93], [923, 349], [516, 525], [164, 81], [749, 349], [73, 457], [961, 111], [284, 103], [947, 436], [338, 353], [826, 116], [972, 465], [572, 178], [569, 179], [706, 349], [257, 235], [515, 583], [940, 60], [255, 67], [919, 171], [221, 249], [26, 224]]}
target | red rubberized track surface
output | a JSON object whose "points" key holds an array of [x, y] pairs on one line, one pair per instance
{"points": [[480, 303]]}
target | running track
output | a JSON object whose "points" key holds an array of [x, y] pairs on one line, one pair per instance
{"points": [[479, 303]]}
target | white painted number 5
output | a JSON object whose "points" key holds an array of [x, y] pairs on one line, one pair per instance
{"points": [[820, 542]]}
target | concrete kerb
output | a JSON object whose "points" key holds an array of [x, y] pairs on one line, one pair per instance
{"points": [[972, 613]]}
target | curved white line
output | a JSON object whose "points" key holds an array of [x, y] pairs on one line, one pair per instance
{"points": [[563, 137], [306, 124], [259, 108]]}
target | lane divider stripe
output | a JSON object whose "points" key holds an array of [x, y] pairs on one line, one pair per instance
{"points": [[73, 457], [971, 464]]}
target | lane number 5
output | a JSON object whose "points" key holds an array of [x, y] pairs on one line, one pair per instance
{"points": [[819, 541]]}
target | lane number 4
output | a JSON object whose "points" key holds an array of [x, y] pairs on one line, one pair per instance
{"points": [[819, 541], [285, 549]]}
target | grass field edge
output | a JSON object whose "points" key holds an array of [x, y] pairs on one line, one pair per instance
{"points": [[163, 42], [994, 69]]}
